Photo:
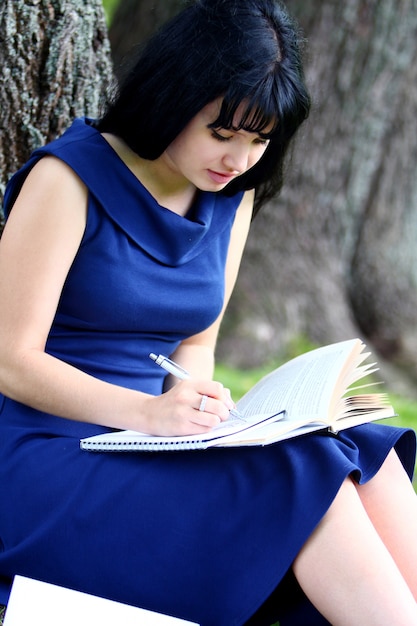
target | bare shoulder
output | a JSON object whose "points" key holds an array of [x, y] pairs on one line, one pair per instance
{"points": [[248, 199], [239, 234], [52, 175], [244, 213], [52, 191]]}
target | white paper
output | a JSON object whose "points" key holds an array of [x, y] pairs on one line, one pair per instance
{"points": [[37, 603]]}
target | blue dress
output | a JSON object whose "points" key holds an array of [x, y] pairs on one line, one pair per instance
{"points": [[205, 535]]}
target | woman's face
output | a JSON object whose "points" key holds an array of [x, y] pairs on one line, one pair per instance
{"points": [[210, 158]]}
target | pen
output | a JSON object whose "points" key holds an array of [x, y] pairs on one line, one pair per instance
{"points": [[170, 366], [178, 371]]}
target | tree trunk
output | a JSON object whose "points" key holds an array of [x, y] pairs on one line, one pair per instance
{"points": [[134, 21], [335, 256], [54, 65]]}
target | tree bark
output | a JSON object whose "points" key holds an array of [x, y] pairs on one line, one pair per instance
{"points": [[54, 65]]}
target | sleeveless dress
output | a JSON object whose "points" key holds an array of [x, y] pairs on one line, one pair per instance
{"points": [[205, 536]]}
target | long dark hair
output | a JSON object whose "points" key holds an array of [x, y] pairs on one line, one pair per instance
{"points": [[244, 51]]}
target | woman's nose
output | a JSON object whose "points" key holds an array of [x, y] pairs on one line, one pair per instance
{"points": [[237, 160]]}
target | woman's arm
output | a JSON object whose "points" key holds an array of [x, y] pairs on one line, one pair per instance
{"points": [[196, 354], [39, 243]]}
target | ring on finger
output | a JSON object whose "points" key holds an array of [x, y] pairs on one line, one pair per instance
{"points": [[203, 403]]}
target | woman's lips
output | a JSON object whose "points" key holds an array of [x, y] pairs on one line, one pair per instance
{"points": [[219, 177]]}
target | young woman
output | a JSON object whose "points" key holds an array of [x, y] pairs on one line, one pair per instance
{"points": [[124, 237]]}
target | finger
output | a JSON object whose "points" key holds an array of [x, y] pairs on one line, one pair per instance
{"points": [[206, 420], [217, 391], [228, 399], [213, 406]]}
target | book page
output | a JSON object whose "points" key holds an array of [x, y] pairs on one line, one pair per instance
{"points": [[303, 387]]}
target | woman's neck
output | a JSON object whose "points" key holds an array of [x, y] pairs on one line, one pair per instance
{"points": [[170, 191]]}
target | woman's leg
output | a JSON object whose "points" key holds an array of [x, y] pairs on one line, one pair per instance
{"points": [[391, 504], [345, 567]]}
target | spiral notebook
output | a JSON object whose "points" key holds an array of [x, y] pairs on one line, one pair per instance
{"points": [[312, 392], [130, 441]]}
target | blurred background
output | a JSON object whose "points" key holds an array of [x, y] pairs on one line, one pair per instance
{"points": [[335, 255]]}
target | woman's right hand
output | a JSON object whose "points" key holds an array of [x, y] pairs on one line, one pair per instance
{"points": [[177, 411]]}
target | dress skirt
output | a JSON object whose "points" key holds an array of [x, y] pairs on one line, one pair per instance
{"points": [[206, 536]]}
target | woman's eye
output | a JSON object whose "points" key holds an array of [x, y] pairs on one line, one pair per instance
{"points": [[261, 141], [218, 136]]}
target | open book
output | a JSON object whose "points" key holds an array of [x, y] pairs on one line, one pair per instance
{"points": [[312, 392]]}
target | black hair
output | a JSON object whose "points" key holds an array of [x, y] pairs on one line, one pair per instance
{"points": [[244, 51]]}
